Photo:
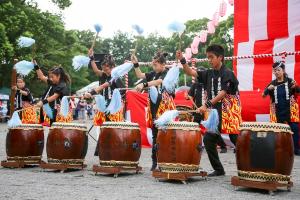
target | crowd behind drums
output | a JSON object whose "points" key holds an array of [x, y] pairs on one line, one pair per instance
{"points": [[264, 151]]}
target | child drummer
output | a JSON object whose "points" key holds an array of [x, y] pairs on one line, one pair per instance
{"points": [[222, 94], [284, 107], [57, 81], [23, 100]]}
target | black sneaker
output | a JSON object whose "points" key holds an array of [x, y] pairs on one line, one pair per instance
{"points": [[223, 150], [216, 173]]}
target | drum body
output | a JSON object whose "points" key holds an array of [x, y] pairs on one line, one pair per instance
{"points": [[119, 144], [67, 143], [264, 152], [25, 143], [179, 147], [188, 117]]}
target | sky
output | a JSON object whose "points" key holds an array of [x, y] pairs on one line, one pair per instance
{"points": [[114, 15]]}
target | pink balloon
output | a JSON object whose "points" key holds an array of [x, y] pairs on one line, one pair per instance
{"points": [[231, 2], [188, 53], [203, 36], [222, 8], [216, 18], [210, 27]]}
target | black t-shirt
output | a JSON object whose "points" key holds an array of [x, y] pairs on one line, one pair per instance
{"points": [[21, 98], [196, 92], [61, 88], [151, 76], [217, 80], [107, 92]]}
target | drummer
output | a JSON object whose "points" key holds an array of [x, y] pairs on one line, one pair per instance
{"points": [[197, 93], [57, 81], [222, 94], [24, 99], [165, 100], [106, 89], [284, 107]]}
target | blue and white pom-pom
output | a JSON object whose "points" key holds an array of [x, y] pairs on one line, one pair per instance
{"points": [[64, 106], [80, 61], [138, 29], [48, 110], [14, 121], [212, 122], [25, 41], [24, 67], [171, 79], [115, 104], [120, 71], [98, 28], [153, 93], [176, 27], [166, 117], [100, 103]]}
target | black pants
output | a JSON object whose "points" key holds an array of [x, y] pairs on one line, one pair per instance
{"points": [[233, 138], [154, 146], [210, 141]]}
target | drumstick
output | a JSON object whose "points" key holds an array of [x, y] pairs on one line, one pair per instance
{"points": [[190, 98], [90, 134]]}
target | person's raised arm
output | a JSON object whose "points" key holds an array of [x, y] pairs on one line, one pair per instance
{"points": [[139, 74], [97, 71], [39, 72], [187, 70]]}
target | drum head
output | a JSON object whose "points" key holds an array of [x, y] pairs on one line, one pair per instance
{"points": [[28, 126], [61, 125], [182, 126], [120, 125]]}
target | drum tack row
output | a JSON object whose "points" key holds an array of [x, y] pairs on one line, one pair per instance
{"points": [[264, 151]]}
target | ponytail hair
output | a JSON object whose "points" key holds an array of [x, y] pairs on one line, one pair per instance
{"points": [[161, 57], [63, 75]]}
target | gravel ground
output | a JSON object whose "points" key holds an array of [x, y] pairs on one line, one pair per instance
{"points": [[32, 183]]}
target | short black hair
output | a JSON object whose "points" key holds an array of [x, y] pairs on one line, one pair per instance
{"points": [[216, 49]]}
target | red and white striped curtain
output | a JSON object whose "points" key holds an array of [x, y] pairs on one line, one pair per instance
{"points": [[264, 27]]}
